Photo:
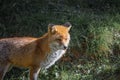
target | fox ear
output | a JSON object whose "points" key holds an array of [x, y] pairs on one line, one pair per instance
{"points": [[51, 28], [68, 24]]}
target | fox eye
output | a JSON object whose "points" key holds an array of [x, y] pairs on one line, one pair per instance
{"points": [[66, 38], [58, 39]]}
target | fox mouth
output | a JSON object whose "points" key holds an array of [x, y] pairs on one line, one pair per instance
{"points": [[65, 47], [61, 47], [56, 47]]}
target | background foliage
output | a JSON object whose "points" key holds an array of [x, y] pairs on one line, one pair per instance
{"points": [[94, 52]]}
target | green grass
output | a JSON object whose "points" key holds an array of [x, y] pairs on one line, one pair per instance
{"points": [[95, 35]]}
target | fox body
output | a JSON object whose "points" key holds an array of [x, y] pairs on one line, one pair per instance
{"points": [[34, 53]]}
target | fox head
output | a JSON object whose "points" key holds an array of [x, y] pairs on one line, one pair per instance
{"points": [[59, 35]]}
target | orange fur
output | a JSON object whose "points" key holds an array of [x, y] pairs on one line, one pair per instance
{"points": [[34, 53]]}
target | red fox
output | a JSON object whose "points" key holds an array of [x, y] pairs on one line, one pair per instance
{"points": [[34, 53]]}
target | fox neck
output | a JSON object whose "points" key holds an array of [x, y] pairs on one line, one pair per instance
{"points": [[51, 58], [43, 44]]}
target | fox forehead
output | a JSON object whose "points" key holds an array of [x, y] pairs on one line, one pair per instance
{"points": [[61, 30]]}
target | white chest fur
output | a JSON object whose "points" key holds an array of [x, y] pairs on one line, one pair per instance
{"points": [[52, 58]]}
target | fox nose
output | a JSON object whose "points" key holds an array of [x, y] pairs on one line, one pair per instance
{"points": [[65, 47]]}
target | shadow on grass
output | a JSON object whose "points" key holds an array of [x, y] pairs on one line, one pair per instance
{"points": [[16, 74]]}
